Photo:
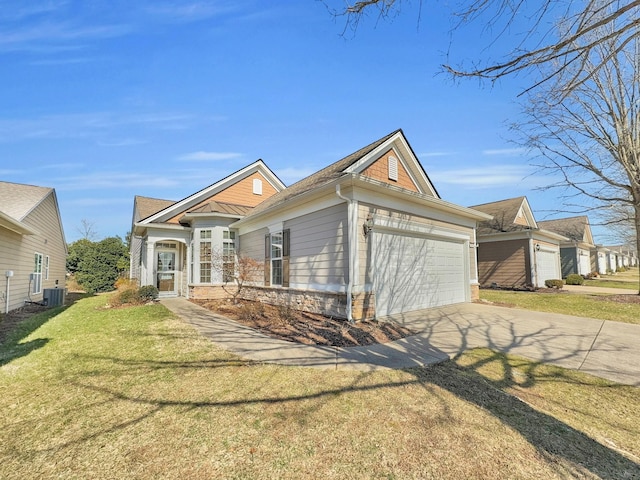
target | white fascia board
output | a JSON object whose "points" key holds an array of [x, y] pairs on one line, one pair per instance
{"points": [[194, 199], [15, 226], [529, 213], [370, 191], [301, 205], [139, 228], [370, 157], [540, 235]]}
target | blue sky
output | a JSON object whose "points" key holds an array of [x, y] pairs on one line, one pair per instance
{"points": [[104, 100]]}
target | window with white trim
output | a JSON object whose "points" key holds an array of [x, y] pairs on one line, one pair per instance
{"points": [[276, 258], [37, 274], [205, 249], [228, 256]]}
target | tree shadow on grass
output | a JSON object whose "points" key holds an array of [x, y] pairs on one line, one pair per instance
{"points": [[19, 325]]}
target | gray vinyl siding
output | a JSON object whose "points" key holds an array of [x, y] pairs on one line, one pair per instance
{"points": [[568, 261], [319, 248], [505, 263], [17, 253], [135, 252]]}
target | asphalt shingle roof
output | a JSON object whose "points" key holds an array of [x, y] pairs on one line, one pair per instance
{"points": [[504, 214], [17, 200], [571, 227]]}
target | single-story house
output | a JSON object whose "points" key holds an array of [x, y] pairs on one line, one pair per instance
{"points": [[622, 256], [575, 252], [513, 251], [368, 236], [33, 250], [601, 260]]}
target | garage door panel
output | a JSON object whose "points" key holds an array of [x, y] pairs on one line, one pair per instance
{"points": [[412, 273], [547, 266]]}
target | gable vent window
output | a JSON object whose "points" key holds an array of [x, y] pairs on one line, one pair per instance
{"points": [[393, 169], [257, 186]]}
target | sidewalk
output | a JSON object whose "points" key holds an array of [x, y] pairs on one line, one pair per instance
{"points": [[602, 348]]}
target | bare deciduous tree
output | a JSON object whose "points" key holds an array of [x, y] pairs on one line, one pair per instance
{"points": [[589, 137], [87, 230], [237, 271], [541, 44]]}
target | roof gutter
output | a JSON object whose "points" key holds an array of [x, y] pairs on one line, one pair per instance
{"points": [[15, 226]]}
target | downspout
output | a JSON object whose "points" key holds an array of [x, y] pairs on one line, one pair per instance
{"points": [[351, 239], [533, 260]]}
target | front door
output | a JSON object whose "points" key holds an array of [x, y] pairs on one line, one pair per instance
{"points": [[166, 281]]}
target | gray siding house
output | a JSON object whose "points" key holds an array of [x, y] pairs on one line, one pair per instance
{"points": [[575, 252], [365, 237], [513, 251], [33, 250]]}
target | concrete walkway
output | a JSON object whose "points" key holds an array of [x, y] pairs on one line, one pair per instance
{"points": [[606, 349]]}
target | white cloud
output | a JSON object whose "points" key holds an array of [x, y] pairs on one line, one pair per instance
{"points": [[504, 151], [99, 180], [491, 176], [203, 156], [190, 12], [435, 154]]}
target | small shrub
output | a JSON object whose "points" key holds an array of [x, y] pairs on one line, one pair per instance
{"points": [[554, 283], [621, 269], [251, 311], [286, 313], [124, 283], [574, 279], [147, 293]]}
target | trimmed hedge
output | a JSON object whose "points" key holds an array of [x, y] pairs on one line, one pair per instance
{"points": [[555, 283], [574, 279]]}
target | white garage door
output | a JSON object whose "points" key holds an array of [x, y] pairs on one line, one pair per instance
{"points": [[547, 266], [412, 272], [585, 262]]}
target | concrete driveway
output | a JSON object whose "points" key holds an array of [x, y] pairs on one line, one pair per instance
{"points": [[606, 349]]}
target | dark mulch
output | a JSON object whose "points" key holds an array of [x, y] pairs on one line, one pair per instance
{"points": [[9, 320], [307, 328], [628, 298]]}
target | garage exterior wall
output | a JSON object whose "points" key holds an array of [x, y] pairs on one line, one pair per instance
{"points": [[505, 263]]}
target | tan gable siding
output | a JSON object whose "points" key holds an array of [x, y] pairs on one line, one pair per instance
{"points": [[319, 249], [521, 219], [240, 193], [379, 170], [505, 263]]}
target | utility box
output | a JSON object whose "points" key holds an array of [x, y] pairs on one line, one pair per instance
{"points": [[53, 297]]}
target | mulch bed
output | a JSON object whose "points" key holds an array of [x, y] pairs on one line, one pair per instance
{"points": [[306, 328], [9, 320]]}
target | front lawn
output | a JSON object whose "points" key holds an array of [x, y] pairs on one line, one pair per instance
{"points": [[97, 393], [624, 284], [591, 306]]}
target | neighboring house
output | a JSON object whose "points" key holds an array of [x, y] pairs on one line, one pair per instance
{"points": [[513, 251], [575, 252], [33, 250], [622, 256], [601, 260], [367, 236]]}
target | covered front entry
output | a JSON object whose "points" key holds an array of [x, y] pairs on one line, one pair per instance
{"points": [[167, 268], [412, 272]]}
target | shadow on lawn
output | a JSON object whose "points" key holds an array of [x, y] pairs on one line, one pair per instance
{"points": [[17, 326], [567, 450]]}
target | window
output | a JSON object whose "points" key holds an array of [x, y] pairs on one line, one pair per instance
{"points": [[277, 258], [205, 256], [46, 267], [37, 274], [393, 168], [228, 256], [257, 186]]}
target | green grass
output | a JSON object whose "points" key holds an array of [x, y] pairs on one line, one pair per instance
{"points": [[612, 284], [591, 306], [98, 393]]}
